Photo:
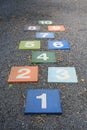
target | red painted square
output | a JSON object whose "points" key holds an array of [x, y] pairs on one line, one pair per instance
{"points": [[56, 28], [23, 74]]}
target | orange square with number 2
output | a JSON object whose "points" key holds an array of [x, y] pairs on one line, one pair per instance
{"points": [[23, 74], [60, 28]]}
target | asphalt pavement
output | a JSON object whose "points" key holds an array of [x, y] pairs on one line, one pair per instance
{"points": [[14, 15]]}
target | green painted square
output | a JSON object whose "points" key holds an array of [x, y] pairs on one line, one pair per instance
{"points": [[29, 45], [43, 57]]}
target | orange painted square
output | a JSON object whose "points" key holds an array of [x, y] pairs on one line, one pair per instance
{"points": [[23, 74], [56, 28]]}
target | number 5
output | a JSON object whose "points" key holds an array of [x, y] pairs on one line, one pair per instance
{"points": [[29, 44]]}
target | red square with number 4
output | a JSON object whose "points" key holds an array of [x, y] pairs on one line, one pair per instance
{"points": [[23, 74], [60, 28]]}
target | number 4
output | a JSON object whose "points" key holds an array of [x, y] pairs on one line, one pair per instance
{"points": [[43, 56]]}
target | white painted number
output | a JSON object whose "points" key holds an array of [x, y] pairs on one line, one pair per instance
{"points": [[44, 34], [58, 27], [62, 74], [24, 74], [31, 27], [43, 56], [29, 44], [46, 22], [43, 100], [58, 44]]}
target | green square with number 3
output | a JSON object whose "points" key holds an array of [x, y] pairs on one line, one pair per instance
{"points": [[43, 57], [29, 45]]}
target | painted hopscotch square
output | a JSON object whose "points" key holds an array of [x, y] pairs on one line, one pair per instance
{"points": [[58, 45], [29, 45], [23, 74], [60, 28], [62, 74], [45, 22], [44, 35], [43, 57], [43, 101], [31, 28]]}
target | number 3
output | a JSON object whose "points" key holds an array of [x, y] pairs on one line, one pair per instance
{"points": [[62, 74], [23, 75]]}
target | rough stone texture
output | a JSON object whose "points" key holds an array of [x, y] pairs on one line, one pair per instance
{"points": [[14, 14]]}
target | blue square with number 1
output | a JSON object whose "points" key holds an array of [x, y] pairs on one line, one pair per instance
{"points": [[44, 35], [43, 101], [58, 45]]}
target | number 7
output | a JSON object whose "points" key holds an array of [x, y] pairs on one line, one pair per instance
{"points": [[44, 34]]}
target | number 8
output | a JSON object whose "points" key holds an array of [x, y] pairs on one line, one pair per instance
{"points": [[31, 27]]}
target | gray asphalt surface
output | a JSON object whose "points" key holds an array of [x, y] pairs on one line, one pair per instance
{"points": [[14, 15]]}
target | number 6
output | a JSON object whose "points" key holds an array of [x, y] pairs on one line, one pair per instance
{"points": [[58, 44]]}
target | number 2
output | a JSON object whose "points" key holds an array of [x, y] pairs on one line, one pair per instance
{"points": [[24, 74], [43, 100]]}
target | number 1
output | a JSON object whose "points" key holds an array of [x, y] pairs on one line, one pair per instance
{"points": [[43, 100]]}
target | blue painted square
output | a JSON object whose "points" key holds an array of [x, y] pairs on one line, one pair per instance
{"points": [[58, 45], [62, 74], [43, 101], [44, 35]]}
